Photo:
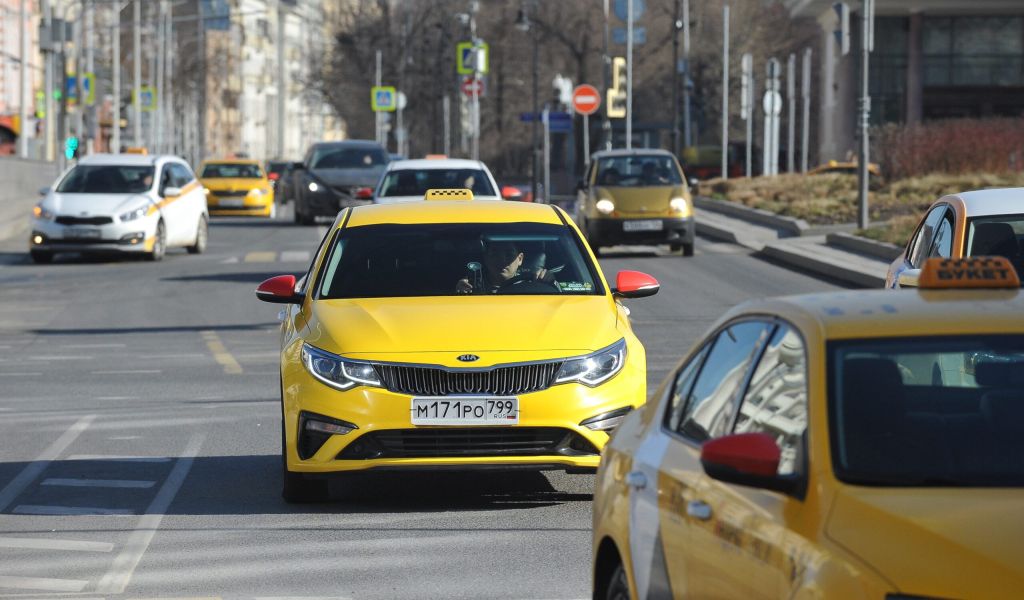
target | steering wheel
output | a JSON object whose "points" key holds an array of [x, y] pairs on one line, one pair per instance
{"points": [[527, 278]]}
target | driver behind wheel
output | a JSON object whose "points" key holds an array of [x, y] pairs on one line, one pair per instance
{"points": [[502, 267]]}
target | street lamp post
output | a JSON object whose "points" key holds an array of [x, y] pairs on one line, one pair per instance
{"points": [[524, 23]]}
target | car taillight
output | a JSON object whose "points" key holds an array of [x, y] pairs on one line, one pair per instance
{"points": [[274, 176]]}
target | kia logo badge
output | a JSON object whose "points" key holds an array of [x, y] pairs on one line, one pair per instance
{"points": [[469, 357]]}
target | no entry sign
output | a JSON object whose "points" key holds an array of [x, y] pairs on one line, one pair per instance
{"points": [[586, 99]]}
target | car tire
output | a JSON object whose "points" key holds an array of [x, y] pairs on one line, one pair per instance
{"points": [[159, 244], [202, 237], [618, 586], [41, 257], [687, 249]]}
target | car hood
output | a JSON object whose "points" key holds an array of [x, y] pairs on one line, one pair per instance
{"points": [[91, 205], [924, 539], [356, 177], [436, 330], [220, 184], [651, 200]]}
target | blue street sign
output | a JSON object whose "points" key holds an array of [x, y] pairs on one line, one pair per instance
{"points": [[639, 35], [622, 9], [558, 122]]}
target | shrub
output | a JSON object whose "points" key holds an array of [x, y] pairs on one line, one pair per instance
{"points": [[954, 146]]}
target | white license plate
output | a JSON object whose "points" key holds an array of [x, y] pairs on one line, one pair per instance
{"points": [[652, 225], [231, 202], [465, 410], [81, 233]]}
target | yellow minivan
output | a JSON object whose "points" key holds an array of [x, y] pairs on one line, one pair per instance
{"points": [[636, 197]]}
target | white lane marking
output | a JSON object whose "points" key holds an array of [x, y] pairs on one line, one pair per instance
{"points": [[43, 584], [170, 356], [32, 374], [295, 256], [129, 372], [120, 574], [208, 398], [229, 261], [119, 458], [83, 346], [37, 466], [56, 357], [104, 483], [125, 437], [63, 511], [117, 397], [43, 544]]}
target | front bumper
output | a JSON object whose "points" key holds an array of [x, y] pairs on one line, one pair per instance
{"points": [[135, 236], [548, 435], [259, 205], [609, 231], [328, 204]]}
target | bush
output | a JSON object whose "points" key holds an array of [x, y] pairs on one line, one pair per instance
{"points": [[955, 146]]}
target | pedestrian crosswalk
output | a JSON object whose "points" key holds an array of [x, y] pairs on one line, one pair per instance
{"points": [[286, 256]]}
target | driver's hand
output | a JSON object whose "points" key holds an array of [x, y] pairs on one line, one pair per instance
{"points": [[463, 287], [543, 275]]}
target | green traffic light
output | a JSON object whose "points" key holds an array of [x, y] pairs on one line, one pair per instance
{"points": [[71, 147]]}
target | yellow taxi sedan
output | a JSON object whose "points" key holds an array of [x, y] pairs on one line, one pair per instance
{"points": [[845, 445], [237, 187], [458, 334]]}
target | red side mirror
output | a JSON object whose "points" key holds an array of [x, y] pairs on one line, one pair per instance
{"points": [[511, 193], [634, 284], [746, 453], [364, 193], [279, 290]]}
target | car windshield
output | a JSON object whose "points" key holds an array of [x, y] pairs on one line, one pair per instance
{"points": [[997, 236], [637, 171], [381, 261], [229, 170], [936, 411], [416, 182], [107, 179], [334, 157]]}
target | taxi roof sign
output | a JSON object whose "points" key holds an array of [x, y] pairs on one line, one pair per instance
{"points": [[449, 194], [975, 272]]}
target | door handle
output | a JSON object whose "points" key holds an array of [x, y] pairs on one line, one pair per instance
{"points": [[698, 510], [636, 480]]}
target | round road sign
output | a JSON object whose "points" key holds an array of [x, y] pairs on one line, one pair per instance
{"points": [[471, 85], [586, 99]]}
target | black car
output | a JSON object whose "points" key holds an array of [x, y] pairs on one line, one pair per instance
{"points": [[334, 175]]}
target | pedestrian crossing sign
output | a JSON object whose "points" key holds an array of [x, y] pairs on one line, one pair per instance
{"points": [[383, 98]]}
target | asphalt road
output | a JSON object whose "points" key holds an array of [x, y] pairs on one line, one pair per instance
{"points": [[140, 425]]}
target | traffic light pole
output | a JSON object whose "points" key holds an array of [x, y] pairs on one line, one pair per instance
{"points": [[867, 15]]}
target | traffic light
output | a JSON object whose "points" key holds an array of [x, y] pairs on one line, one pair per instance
{"points": [[71, 147], [617, 93]]}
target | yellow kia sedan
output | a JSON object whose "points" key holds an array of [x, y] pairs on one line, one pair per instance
{"points": [[852, 445], [636, 197], [455, 334], [237, 187]]}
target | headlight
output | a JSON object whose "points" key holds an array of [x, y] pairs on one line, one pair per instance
{"points": [[41, 213], [594, 369], [679, 205], [605, 206], [206, 191], [133, 214], [337, 372], [313, 187], [257, 192]]}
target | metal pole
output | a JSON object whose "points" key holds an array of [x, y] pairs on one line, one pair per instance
{"points": [[687, 141], [200, 139], [629, 74], [115, 65], [446, 106], [50, 109], [535, 108], [805, 92], [725, 92], [161, 64], [865, 115], [76, 43], [90, 67], [791, 121], [586, 142], [168, 78], [676, 26], [137, 73], [23, 103], [747, 103], [282, 81], [606, 73], [547, 156], [475, 139], [380, 128], [151, 72]]}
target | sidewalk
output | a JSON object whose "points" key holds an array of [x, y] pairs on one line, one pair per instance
{"points": [[852, 260]]}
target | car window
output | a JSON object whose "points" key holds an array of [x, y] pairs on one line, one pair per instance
{"points": [[166, 178], [637, 171], [943, 244], [776, 398], [300, 285], [335, 157], [711, 405], [924, 237], [378, 261], [226, 170], [681, 388], [180, 175], [107, 179], [416, 182], [1001, 235]]}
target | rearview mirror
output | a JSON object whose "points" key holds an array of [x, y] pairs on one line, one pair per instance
{"points": [[694, 184], [171, 191], [279, 290], [510, 192], [634, 284], [44, 191], [364, 193], [910, 278], [750, 459]]}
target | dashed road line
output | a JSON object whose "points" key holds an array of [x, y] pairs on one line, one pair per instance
{"points": [[29, 474], [74, 511], [104, 483], [21, 374], [120, 458], [295, 256], [128, 372], [56, 357], [120, 574], [44, 544], [43, 584], [220, 353], [260, 257], [117, 398], [90, 346]]}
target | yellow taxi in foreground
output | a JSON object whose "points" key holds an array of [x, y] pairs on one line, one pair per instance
{"points": [[979, 223], [453, 333], [237, 187], [845, 445]]}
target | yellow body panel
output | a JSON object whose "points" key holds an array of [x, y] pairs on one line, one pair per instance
{"points": [[839, 541], [258, 199]]}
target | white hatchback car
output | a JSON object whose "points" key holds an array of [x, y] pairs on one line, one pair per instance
{"points": [[114, 203], [409, 180]]}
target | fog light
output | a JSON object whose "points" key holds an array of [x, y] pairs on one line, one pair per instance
{"points": [[607, 421], [331, 428], [315, 430], [134, 237]]}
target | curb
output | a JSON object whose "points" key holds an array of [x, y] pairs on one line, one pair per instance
{"points": [[809, 261], [787, 225], [865, 246]]}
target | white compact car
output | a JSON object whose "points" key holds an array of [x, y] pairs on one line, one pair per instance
{"points": [[114, 203], [409, 180]]}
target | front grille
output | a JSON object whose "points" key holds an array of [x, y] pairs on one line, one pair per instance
{"points": [[468, 441], [230, 193], [500, 381], [67, 220]]}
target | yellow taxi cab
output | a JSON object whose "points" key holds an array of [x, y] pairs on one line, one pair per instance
{"points": [[843, 445], [453, 333], [848, 167], [983, 222], [636, 197], [237, 187]]}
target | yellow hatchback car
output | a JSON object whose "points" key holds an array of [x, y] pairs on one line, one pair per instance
{"points": [[845, 445], [237, 187], [453, 334]]}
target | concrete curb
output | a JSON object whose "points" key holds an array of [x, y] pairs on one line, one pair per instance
{"points": [[865, 246], [787, 225], [810, 260]]}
